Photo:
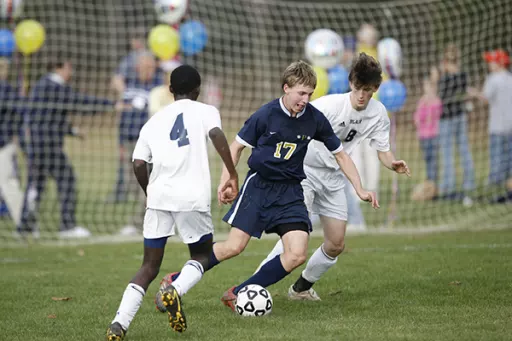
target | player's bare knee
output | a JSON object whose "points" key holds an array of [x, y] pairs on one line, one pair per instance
{"points": [[229, 249], [295, 258], [334, 248], [236, 248]]}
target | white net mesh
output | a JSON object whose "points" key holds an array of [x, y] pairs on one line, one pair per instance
{"points": [[249, 44]]}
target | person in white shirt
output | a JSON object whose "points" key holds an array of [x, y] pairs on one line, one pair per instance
{"points": [[178, 191], [496, 93], [354, 117]]}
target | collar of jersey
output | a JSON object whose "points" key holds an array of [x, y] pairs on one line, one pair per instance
{"points": [[56, 78], [286, 110]]}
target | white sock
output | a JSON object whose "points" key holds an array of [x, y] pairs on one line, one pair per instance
{"points": [[130, 304], [189, 276], [277, 250], [318, 264]]}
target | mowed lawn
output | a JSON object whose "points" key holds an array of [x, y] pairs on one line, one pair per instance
{"points": [[445, 286]]}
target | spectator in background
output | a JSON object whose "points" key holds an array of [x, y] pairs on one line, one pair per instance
{"points": [[134, 113], [127, 66], [497, 93], [426, 118], [50, 102], [452, 88], [10, 124], [160, 96]]}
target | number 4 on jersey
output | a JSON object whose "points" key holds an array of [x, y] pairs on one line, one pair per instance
{"points": [[179, 132]]}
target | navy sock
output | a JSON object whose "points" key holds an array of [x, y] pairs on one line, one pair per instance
{"points": [[212, 261], [270, 273], [175, 276]]}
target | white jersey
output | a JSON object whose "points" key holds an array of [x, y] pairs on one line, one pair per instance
{"points": [[175, 141], [351, 126]]}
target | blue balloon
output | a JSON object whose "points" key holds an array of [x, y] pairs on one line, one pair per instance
{"points": [[193, 37], [392, 94], [338, 80], [7, 43]]}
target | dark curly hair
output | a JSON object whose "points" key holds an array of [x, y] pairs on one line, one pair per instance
{"points": [[365, 72]]}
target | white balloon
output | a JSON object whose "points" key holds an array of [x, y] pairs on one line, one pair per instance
{"points": [[324, 48], [390, 57], [170, 11], [10, 8]]}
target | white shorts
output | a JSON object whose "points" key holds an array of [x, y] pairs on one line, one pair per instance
{"points": [[324, 192], [191, 225]]}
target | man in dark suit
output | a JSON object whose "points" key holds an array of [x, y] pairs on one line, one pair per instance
{"points": [[50, 102]]}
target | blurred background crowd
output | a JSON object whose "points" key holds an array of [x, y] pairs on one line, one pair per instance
{"points": [[79, 79]]}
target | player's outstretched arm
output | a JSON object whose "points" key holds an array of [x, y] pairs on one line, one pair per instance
{"points": [[140, 169], [224, 195], [349, 168], [388, 160], [221, 145]]}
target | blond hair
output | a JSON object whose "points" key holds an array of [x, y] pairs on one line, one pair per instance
{"points": [[299, 72]]}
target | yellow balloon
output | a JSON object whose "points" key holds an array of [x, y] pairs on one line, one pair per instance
{"points": [[322, 83], [164, 41], [30, 36]]}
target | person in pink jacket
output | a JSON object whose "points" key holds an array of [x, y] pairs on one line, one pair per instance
{"points": [[426, 119]]}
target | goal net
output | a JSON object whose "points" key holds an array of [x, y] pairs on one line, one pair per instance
{"points": [[250, 42]]}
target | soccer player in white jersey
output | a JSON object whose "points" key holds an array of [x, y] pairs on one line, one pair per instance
{"points": [[354, 116], [178, 194]]}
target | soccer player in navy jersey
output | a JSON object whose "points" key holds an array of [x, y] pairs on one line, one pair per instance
{"points": [[271, 199]]}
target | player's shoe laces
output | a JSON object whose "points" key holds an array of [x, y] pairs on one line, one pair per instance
{"points": [[115, 332], [308, 295], [172, 302], [164, 283], [229, 298]]}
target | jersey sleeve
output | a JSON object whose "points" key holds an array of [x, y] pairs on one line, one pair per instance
{"points": [[325, 134], [212, 120], [142, 150], [327, 105], [253, 128], [379, 138]]}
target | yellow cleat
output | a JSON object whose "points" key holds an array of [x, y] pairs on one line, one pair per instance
{"points": [[172, 302], [115, 332]]}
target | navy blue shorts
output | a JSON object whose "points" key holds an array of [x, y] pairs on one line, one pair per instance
{"points": [[261, 205]]}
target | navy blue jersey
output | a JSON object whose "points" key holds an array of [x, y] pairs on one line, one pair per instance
{"points": [[279, 141]]}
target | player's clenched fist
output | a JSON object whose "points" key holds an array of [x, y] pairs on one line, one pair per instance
{"points": [[227, 191]]}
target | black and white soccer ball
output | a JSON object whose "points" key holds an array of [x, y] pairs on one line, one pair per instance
{"points": [[253, 300]]}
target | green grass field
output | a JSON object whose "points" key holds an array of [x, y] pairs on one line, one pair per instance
{"points": [[446, 286]]}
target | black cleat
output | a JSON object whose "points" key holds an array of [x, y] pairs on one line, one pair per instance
{"points": [[115, 332], [172, 302]]}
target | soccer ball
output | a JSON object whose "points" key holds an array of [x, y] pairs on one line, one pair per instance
{"points": [[170, 11], [324, 48], [253, 300], [390, 57]]}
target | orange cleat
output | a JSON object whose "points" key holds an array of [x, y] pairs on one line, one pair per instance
{"points": [[229, 298]]}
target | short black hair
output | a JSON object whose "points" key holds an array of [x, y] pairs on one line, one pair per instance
{"points": [[184, 80], [366, 71]]}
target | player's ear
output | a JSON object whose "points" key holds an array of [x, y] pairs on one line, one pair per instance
{"points": [[286, 88]]}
